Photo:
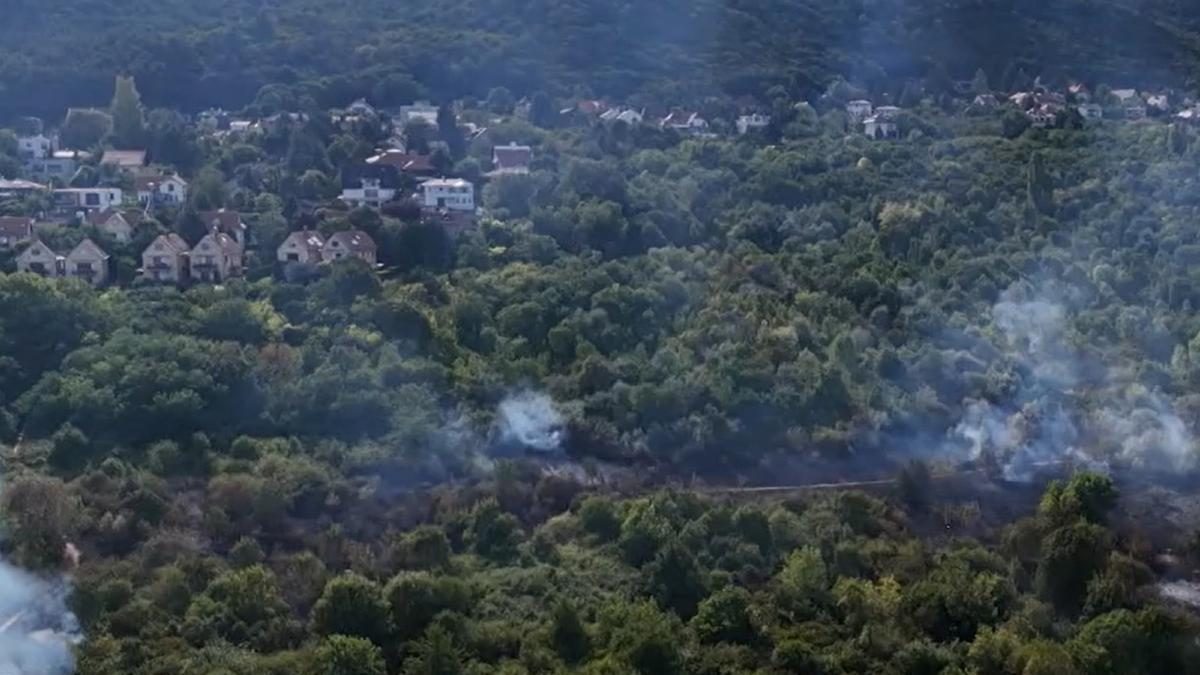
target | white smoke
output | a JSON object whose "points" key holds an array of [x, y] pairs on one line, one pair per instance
{"points": [[531, 419], [36, 628], [1043, 422]]}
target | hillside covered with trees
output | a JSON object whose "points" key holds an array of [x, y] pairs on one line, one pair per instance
{"points": [[230, 53], [313, 471]]}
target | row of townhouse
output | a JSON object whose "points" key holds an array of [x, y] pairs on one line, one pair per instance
{"points": [[309, 247], [215, 258], [87, 261]]}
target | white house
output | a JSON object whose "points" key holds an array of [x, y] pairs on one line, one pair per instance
{"points": [[60, 164], [302, 246], [453, 194], [421, 110], [752, 122], [368, 192], [859, 110], [88, 199], [685, 122], [154, 190], [1090, 111], [877, 127], [38, 146], [627, 115], [888, 112]]}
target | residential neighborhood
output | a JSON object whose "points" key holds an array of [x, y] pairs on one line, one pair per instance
{"points": [[130, 199]]}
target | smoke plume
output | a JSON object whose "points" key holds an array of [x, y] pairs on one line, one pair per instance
{"points": [[532, 420], [1047, 419], [36, 628]]}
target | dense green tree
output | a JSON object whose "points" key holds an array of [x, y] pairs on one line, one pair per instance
{"points": [[352, 605], [567, 634], [84, 128], [724, 616], [128, 122], [343, 655]]}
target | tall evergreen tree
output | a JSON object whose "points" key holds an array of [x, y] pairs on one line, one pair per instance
{"points": [[450, 134], [1038, 184], [129, 129], [979, 84]]}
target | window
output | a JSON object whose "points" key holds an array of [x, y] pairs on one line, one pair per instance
{"points": [[293, 257], [91, 199]]}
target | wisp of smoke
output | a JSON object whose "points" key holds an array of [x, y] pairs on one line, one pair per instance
{"points": [[532, 420], [1040, 424], [36, 628]]}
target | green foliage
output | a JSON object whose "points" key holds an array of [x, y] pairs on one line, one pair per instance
{"points": [[415, 598], [343, 655], [567, 634], [352, 605], [435, 654], [129, 130], [1071, 556], [599, 517], [85, 128], [493, 533], [724, 616]]}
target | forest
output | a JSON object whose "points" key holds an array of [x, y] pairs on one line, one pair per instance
{"points": [[231, 53], [992, 323]]}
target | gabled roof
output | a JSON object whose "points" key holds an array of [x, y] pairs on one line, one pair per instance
{"points": [[512, 156], [309, 239], [149, 183], [128, 158], [355, 241], [171, 242], [37, 249], [87, 249], [99, 218], [224, 220], [683, 118], [20, 185], [221, 242], [403, 161]]}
